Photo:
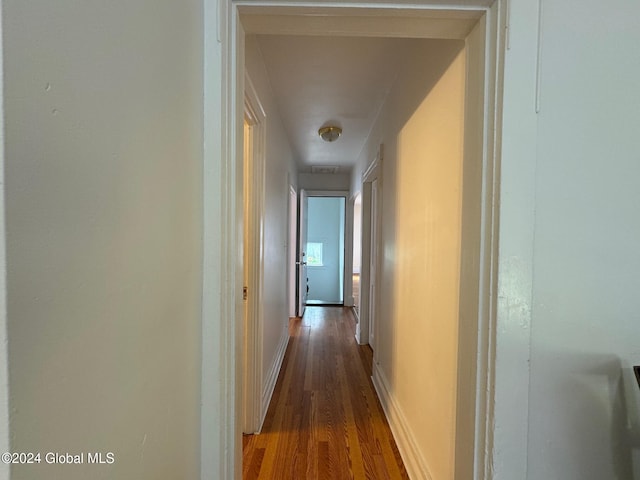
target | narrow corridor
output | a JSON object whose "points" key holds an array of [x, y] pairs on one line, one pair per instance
{"points": [[325, 420]]}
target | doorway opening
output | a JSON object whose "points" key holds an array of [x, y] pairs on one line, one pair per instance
{"points": [[370, 19], [325, 250]]}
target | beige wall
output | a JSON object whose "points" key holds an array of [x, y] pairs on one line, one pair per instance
{"points": [[421, 127], [280, 169], [103, 106], [425, 271]]}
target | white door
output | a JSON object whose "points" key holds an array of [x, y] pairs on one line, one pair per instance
{"points": [[373, 263], [302, 253]]}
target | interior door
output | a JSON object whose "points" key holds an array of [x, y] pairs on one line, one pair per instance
{"points": [[302, 254], [373, 263]]}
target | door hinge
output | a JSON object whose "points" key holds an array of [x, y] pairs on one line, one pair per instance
{"points": [[245, 292]]}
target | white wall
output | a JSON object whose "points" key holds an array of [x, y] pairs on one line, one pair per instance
{"points": [[280, 168], [324, 181], [584, 405], [421, 127], [103, 105], [569, 257]]}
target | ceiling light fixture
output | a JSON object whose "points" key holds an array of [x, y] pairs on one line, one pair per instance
{"points": [[330, 133]]}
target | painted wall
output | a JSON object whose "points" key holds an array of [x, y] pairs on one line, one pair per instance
{"points": [[4, 341], [280, 168], [584, 403], [421, 129], [324, 181], [104, 298], [568, 256], [326, 226], [103, 109]]}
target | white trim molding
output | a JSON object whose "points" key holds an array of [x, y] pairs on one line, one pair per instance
{"points": [[221, 382], [371, 174], [272, 376], [414, 462], [253, 178]]}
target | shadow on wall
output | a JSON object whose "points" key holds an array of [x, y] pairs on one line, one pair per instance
{"points": [[422, 135], [419, 75], [596, 426]]}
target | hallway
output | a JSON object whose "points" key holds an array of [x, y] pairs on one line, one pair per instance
{"points": [[324, 420]]}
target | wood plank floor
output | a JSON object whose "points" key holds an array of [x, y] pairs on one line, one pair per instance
{"points": [[325, 420]]}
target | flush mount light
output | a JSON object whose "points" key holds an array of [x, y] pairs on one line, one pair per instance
{"points": [[330, 133]]}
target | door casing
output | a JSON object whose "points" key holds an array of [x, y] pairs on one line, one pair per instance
{"points": [[348, 214], [222, 318], [253, 256], [370, 216], [301, 261], [292, 250]]}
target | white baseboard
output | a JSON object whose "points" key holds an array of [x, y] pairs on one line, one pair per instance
{"points": [[272, 377], [414, 462], [359, 339]]}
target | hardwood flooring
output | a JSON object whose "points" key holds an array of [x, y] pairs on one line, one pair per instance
{"points": [[325, 420]]}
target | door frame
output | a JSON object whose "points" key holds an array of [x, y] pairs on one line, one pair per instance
{"points": [[253, 244], [355, 199], [301, 261], [221, 454], [292, 245], [371, 174], [348, 218]]}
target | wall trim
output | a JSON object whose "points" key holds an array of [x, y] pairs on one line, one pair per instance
{"points": [[220, 389], [371, 174], [375, 167], [254, 178], [414, 462], [272, 376]]}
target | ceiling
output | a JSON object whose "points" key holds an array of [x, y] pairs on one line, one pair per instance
{"points": [[318, 81], [336, 69]]}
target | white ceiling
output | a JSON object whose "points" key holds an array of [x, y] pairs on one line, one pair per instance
{"points": [[334, 65], [341, 81]]}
